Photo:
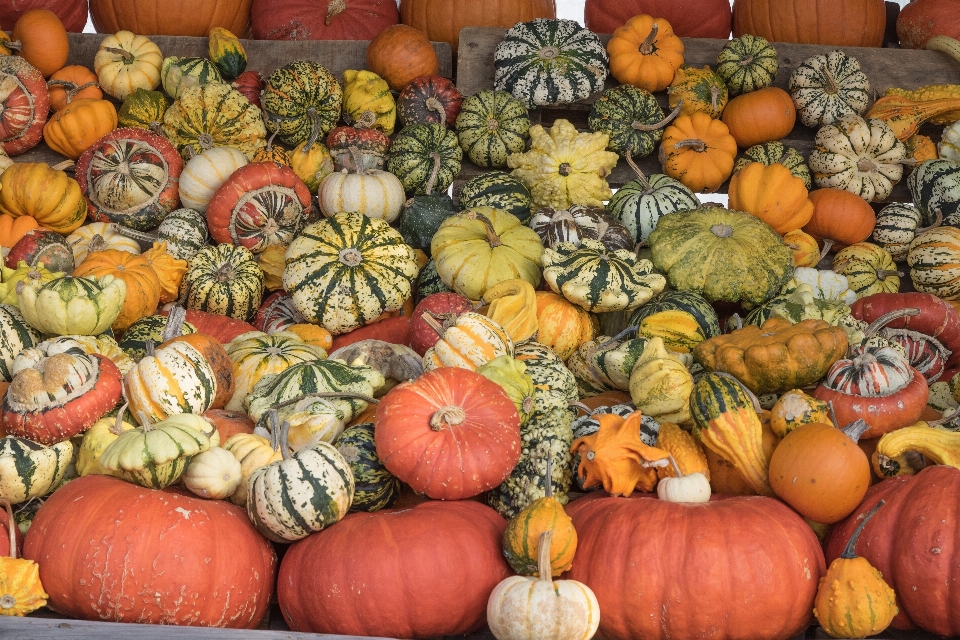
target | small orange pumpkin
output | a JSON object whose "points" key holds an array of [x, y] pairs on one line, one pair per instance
{"points": [[399, 53], [645, 53], [71, 83], [806, 251], [840, 216], [143, 286], [698, 151], [78, 125], [41, 39], [760, 116], [773, 194], [314, 335], [563, 326]]}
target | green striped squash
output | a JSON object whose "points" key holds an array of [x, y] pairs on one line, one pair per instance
{"points": [[605, 363], [30, 470], [256, 355], [640, 203], [223, 279], [498, 190], [134, 340], [935, 185], [290, 499], [546, 62], [226, 52], [600, 280], [492, 125], [73, 305], [827, 87], [176, 379], [300, 97], [185, 232], [179, 74], [314, 376], [934, 260], [429, 281], [412, 160], [15, 336], [375, 487], [555, 387], [775, 152], [585, 426], [616, 113], [344, 272], [688, 301], [746, 64], [897, 226], [143, 109], [544, 433], [214, 115], [589, 381]]}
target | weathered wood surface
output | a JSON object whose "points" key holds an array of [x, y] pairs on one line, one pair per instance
{"points": [[885, 68]]}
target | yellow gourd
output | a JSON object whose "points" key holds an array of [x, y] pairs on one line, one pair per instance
{"points": [[103, 432], [905, 115], [660, 384], [20, 589], [937, 445], [365, 91], [29, 276], [794, 409], [931, 92], [686, 452], [513, 303]]}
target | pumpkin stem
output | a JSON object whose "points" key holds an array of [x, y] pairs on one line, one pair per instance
{"points": [[947, 418], [274, 423], [721, 230], [830, 83], [827, 245], [886, 319], [139, 236], [66, 165], [492, 238], [548, 481], [714, 96], [676, 467], [543, 557], [97, 243], [642, 179], [746, 390], [849, 552], [433, 174], [205, 141], [366, 120], [321, 395], [640, 126], [646, 47], [71, 88], [148, 347], [351, 257], [335, 8], [565, 169], [936, 223], [867, 165], [11, 523], [123, 53], [581, 406], [144, 421], [173, 327], [285, 440], [883, 274], [833, 414], [433, 104], [548, 53], [697, 145], [855, 429], [117, 428], [433, 323], [446, 417], [355, 160]]}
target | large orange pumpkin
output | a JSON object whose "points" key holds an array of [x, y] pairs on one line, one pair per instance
{"points": [[849, 23], [689, 18], [920, 20], [168, 17], [400, 53], [760, 116], [840, 216], [321, 19]]}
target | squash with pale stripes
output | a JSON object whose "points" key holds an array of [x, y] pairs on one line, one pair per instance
{"points": [[346, 271], [177, 378], [640, 203], [688, 301], [605, 363], [631, 117], [497, 190], [934, 259], [73, 306], [252, 451], [257, 354], [375, 487], [897, 225], [226, 52], [15, 336], [414, 153], [134, 340], [224, 279], [868, 268], [215, 115], [491, 126], [300, 98], [554, 384], [30, 470], [472, 341], [177, 74], [185, 232], [290, 499], [102, 345], [935, 186]]}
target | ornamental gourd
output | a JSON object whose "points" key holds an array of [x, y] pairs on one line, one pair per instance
{"points": [[366, 92], [20, 589], [31, 470], [869, 269], [421, 149], [776, 153], [24, 276], [747, 63], [49, 195], [429, 100], [640, 203], [73, 129], [126, 62], [225, 280], [97, 236], [214, 473], [897, 225], [795, 409], [73, 306], [577, 223], [255, 355], [932, 256], [827, 87], [698, 151], [97, 438], [563, 325], [375, 487], [695, 89], [372, 192], [632, 118], [24, 107], [513, 304], [142, 284], [660, 385], [226, 52], [760, 116], [491, 126], [299, 97], [471, 341], [645, 53], [840, 216], [214, 115]]}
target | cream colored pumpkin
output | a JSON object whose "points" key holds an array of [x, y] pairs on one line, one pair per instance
{"points": [[126, 62], [473, 341], [97, 236], [374, 193], [523, 608], [204, 173], [214, 473], [252, 451], [96, 439], [660, 385]]}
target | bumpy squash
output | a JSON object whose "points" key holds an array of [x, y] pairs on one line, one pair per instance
{"points": [[214, 115], [795, 409], [491, 126], [366, 92], [660, 385], [699, 90], [300, 97]]}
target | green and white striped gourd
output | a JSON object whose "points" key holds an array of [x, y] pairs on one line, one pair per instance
{"points": [[305, 492], [605, 363], [640, 203], [412, 157], [375, 488], [224, 279], [827, 87], [429, 281], [134, 340], [935, 186], [498, 190], [345, 271], [30, 470], [688, 301], [554, 385], [599, 280], [15, 336], [546, 62], [897, 225], [580, 222], [214, 115], [299, 98], [588, 425], [747, 63], [492, 125], [631, 117], [589, 382], [776, 152], [185, 232], [73, 305], [179, 74]]}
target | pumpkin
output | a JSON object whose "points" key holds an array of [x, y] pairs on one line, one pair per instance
{"points": [[850, 23], [73, 306], [645, 53], [429, 100], [760, 116], [772, 194], [660, 385], [697, 90], [806, 250], [112, 15], [372, 192], [48, 195], [796, 409], [827, 87], [177, 74], [868, 268], [698, 151], [214, 473], [255, 355], [548, 61], [24, 108], [40, 37], [577, 223], [372, 144], [775, 152], [465, 534], [348, 247], [449, 404], [204, 173], [604, 16], [928, 19], [640, 203], [42, 247], [897, 225], [480, 248], [400, 53], [702, 313], [444, 309], [70, 83], [330, 20], [838, 215], [563, 325], [31, 470], [615, 457], [19, 578], [708, 251], [632, 118], [142, 284], [746, 64], [169, 270], [491, 126], [224, 279], [72, 14], [376, 488], [160, 546], [933, 187], [932, 256], [469, 341], [213, 115], [366, 97], [226, 52], [126, 62]]}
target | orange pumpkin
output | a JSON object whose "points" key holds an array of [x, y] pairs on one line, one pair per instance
{"points": [[773, 194], [806, 251], [698, 151], [399, 53], [169, 270], [49, 195], [645, 53], [143, 286], [760, 116], [40, 37], [563, 325], [12, 229], [71, 83], [171, 17], [78, 125], [840, 216], [848, 23]]}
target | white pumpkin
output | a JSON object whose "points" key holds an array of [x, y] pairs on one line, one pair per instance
{"points": [[523, 608], [85, 239], [372, 192], [204, 173], [692, 487], [214, 473]]}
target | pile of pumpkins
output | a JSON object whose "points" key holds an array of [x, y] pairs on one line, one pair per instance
{"points": [[355, 357]]}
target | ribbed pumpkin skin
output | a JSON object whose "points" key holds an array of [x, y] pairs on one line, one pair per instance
{"points": [[295, 91], [935, 184], [143, 286], [491, 126], [224, 280], [850, 23], [497, 190], [640, 204], [910, 540], [185, 232], [775, 152], [175, 559], [925, 19], [697, 552], [217, 112], [167, 17], [896, 228], [933, 258], [15, 336], [311, 20], [204, 173], [689, 18], [24, 108], [411, 160], [178, 74], [256, 355], [177, 379], [746, 64], [686, 301], [147, 328], [409, 590]]}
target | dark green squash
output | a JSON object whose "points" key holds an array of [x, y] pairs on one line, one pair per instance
{"points": [[134, 341], [498, 190], [491, 126], [935, 184], [143, 109], [632, 118], [423, 215], [428, 281], [747, 63], [775, 152], [299, 97], [412, 160], [376, 488]]}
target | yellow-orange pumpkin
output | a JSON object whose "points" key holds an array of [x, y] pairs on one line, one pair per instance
{"points": [[143, 286]]}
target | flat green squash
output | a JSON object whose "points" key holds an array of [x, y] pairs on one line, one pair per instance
{"points": [[498, 190], [491, 126]]}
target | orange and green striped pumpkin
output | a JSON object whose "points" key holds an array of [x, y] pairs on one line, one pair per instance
{"points": [[177, 378], [934, 259]]}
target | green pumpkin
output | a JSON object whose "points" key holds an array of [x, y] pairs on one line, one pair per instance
{"points": [[134, 341], [143, 109], [616, 113], [498, 190], [511, 374], [429, 281], [300, 97], [185, 232], [605, 363], [224, 279], [491, 126], [640, 203], [30, 470], [721, 254], [226, 52], [746, 64], [179, 74], [422, 216], [775, 152], [554, 385], [935, 185], [15, 336], [687, 301], [376, 488], [411, 157], [547, 62]]}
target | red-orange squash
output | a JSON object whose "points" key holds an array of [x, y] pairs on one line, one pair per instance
{"points": [[689, 18], [840, 216], [42, 40], [321, 19], [850, 23]]}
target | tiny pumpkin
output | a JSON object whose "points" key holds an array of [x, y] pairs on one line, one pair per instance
{"points": [[645, 53], [698, 151], [70, 83], [78, 125]]}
